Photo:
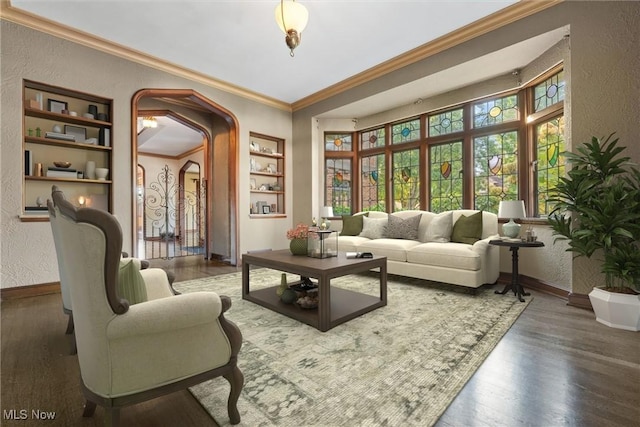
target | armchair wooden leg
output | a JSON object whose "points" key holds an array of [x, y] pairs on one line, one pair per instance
{"points": [[236, 380], [89, 409]]}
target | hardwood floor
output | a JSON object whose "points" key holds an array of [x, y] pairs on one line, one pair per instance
{"points": [[556, 367]]}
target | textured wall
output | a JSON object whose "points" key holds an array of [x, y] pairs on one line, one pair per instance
{"points": [[27, 254]]}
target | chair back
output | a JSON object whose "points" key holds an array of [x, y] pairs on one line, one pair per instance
{"points": [[88, 244]]}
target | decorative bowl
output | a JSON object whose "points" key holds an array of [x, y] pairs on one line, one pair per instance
{"points": [[62, 164]]}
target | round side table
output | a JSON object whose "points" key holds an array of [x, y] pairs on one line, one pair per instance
{"points": [[513, 246]]}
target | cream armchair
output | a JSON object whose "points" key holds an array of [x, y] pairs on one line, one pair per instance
{"points": [[131, 353]]}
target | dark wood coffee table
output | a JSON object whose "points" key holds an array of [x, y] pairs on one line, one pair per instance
{"points": [[336, 305]]}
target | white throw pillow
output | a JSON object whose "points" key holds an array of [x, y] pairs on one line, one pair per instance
{"points": [[374, 228], [440, 228]]}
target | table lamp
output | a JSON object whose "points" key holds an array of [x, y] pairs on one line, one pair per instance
{"points": [[511, 209], [326, 213]]}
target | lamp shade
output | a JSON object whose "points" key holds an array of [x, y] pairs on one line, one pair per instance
{"points": [[511, 209], [326, 212], [294, 14]]}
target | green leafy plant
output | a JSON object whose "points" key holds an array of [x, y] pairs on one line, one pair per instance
{"points": [[597, 210]]}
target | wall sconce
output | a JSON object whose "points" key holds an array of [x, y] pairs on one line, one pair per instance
{"points": [[82, 201], [292, 19]]}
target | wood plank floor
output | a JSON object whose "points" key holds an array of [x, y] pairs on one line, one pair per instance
{"points": [[556, 367]]}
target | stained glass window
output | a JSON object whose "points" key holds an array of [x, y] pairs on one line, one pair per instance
{"points": [[406, 180], [337, 142], [338, 185], [496, 169], [550, 165], [405, 131], [447, 122], [446, 176], [495, 111], [549, 92], [372, 183], [372, 138]]}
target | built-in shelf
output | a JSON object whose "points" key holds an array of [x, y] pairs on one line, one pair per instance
{"points": [[67, 112], [266, 176]]}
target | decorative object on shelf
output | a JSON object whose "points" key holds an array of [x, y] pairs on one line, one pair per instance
{"points": [[57, 106], [90, 170], [103, 117], [38, 132], [289, 296], [252, 183], [512, 209], [298, 237], [93, 110], [326, 213], [292, 19], [308, 299], [283, 284], [79, 133], [38, 169], [102, 173], [57, 128], [254, 146], [62, 164], [88, 116]]}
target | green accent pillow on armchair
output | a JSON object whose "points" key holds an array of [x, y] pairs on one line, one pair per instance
{"points": [[130, 283], [467, 229], [352, 224]]}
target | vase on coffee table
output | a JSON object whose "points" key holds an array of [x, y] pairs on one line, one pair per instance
{"points": [[298, 246]]}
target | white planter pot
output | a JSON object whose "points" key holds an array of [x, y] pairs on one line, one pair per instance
{"points": [[620, 311]]}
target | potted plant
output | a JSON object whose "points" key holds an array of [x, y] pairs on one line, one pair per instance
{"points": [[298, 237], [597, 210]]}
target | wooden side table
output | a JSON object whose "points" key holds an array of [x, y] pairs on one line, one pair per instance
{"points": [[513, 246]]}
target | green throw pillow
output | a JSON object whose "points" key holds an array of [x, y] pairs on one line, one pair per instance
{"points": [[467, 229], [130, 283], [352, 225]]}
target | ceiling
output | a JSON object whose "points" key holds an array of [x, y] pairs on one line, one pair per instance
{"points": [[239, 43]]}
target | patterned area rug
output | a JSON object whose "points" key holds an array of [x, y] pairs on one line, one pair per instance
{"points": [[398, 365]]}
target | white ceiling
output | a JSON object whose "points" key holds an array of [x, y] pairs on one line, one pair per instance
{"points": [[239, 42]]}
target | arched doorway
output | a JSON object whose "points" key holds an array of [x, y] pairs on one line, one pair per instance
{"points": [[219, 171]]}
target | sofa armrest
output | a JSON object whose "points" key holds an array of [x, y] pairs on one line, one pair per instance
{"points": [[482, 245]]}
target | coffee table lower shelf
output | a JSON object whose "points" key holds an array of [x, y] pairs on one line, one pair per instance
{"points": [[345, 305]]}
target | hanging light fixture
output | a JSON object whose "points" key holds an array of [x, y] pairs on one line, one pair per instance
{"points": [[149, 122], [292, 19]]}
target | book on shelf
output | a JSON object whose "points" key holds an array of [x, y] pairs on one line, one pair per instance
{"points": [[61, 136], [55, 168], [72, 174], [28, 163]]}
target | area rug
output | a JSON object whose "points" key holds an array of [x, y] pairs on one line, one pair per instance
{"points": [[399, 365]]}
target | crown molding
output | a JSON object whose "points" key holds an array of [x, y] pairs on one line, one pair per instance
{"points": [[513, 13], [26, 19], [506, 16]]}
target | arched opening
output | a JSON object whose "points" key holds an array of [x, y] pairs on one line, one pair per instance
{"points": [[217, 180]]}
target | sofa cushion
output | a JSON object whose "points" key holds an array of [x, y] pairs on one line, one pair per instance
{"points": [[130, 282], [403, 228], [440, 228], [393, 249], [347, 243], [352, 224], [450, 255], [467, 229], [374, 228]]}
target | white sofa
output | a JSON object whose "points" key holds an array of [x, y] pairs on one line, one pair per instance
{"points": [[471, 265]]}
